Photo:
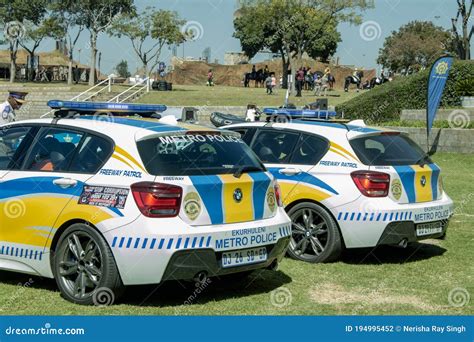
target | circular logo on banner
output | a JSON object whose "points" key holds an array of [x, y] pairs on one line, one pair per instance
{"points": [[396, 189], [238, 195], [271, 201], [441, 68], [192, 205]]}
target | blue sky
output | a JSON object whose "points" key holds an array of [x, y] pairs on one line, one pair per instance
{"points": [[213, 21]]}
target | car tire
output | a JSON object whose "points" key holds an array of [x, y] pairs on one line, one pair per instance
{"points": [[85, 269], [315, 234]]}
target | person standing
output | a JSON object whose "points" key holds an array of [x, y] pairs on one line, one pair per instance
{"points": [[268, 85], [274, 82], [210, 78], [14, 102], [299, 82]]}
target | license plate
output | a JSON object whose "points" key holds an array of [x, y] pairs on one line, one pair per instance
{"points": [[244, 257], [429, 228]]}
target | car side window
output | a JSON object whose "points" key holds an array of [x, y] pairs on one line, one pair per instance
{"points": [[12, 146], [53, 150], [92, 154], [310, 150], [274, 146]]}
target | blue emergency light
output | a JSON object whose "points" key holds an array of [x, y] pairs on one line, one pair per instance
{"points": [[300, 113], [124, 109]]}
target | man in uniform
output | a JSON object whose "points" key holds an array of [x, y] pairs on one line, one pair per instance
{"points": [[7, 109]]}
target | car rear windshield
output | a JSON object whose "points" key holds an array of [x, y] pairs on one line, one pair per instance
{"points": [[197, 154], [388, 149]]}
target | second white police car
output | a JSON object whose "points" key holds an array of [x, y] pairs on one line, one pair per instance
{"points": [[347, 185]]}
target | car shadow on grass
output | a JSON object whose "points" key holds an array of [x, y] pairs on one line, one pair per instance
{"points": [[174, 293], [393, 255]]}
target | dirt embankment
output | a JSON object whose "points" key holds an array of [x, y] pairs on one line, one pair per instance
{"points": [[191, 73]]}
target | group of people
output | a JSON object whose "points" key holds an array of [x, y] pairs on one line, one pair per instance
{"points": [[52, 74], [315, 81]]}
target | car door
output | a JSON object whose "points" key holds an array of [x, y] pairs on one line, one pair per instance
{"points": [[291, 156], [34, 194]]}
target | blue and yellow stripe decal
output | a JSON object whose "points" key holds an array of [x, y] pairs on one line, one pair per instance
{"points": [[122, 155], [302, 186], [414, 176], [217, 191]]}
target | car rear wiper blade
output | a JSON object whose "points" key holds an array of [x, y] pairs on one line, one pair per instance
{"points": [[423, 160], [238, 173]]}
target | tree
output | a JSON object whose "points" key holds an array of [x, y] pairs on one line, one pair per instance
{"points": [[98, 16], [34, 35], [12, 15], [68, 15], [294, 27], [462, 41], [122, 69], [149, 32], [414, 46]]}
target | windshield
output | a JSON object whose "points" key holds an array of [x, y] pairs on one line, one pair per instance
{"points": [[388, 149], [197, 154]]}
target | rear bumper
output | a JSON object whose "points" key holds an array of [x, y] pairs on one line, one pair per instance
{"points": [[368, 222], [184, 265], [399, 232], [149, 251]]}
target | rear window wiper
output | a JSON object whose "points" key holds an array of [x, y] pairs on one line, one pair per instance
{"points": [[246, 168], [423, 160]]}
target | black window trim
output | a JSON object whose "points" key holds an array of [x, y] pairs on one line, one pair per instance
{"points": [[84, 131]]}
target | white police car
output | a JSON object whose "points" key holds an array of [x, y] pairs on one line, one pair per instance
{"points": [[347, 185], [106, 203]]}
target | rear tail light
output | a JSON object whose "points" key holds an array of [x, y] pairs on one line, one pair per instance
{"points": [[278, 194], [157, 199], [371, 183]]}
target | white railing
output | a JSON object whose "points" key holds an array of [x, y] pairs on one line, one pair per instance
{"points": [[143, 85], [101, 86]]}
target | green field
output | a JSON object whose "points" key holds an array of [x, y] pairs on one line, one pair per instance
{"points": [[387, 280], [234, 96]]}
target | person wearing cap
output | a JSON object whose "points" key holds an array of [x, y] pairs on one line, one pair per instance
{"points": [[7, 109]]}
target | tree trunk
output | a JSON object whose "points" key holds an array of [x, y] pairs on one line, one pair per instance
{"points": [[13, 51], [69, 70], [31, 67], [93, 57]]}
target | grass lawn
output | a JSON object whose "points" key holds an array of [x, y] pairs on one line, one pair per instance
{"points": [[234, 96], [385, 280]]}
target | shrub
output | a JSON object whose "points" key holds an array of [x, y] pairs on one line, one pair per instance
{"points": [[385, 102]]}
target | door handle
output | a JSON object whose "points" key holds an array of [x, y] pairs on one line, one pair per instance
{"points": [[290, 171], [65, 182]]}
